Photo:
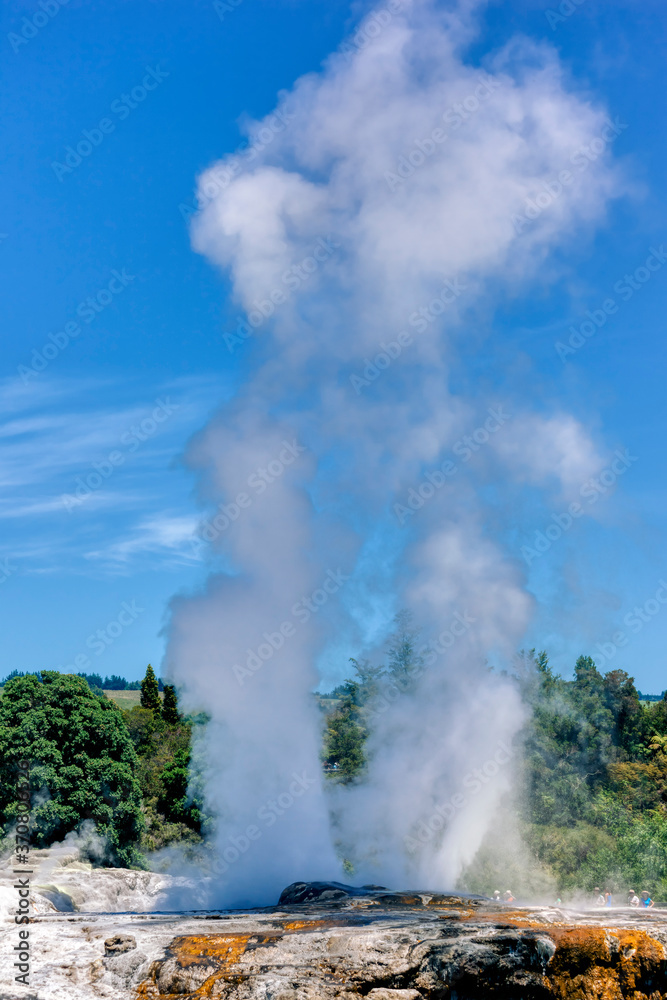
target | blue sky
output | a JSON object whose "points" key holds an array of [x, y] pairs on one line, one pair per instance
{"points": [[144, 371]]}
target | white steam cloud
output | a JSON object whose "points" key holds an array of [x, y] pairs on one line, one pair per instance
{"points": [[387, 195]]}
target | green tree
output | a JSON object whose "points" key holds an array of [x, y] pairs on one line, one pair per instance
{"points": [[150, 693], [344, 737], [82, 762], [629, 730], [404, 662], [368, 681], [170, 706], [172, 788], [173, 801], [141, 725]]}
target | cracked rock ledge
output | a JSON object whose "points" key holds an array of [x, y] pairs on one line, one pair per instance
{"points": [[326, 941]]}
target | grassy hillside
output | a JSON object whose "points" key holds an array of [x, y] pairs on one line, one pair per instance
{"points": [[124, 699], [127, 699]]}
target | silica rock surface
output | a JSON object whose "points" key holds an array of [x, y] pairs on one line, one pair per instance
{"points": [[323, 941]]}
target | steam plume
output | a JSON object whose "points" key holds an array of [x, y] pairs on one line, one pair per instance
{"points": [[386, 198]]}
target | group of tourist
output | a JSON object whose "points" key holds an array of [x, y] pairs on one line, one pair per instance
{"points": [[643, 900], [602, 898], [506, 897]]}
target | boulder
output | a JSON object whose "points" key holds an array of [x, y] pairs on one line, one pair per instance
{"points": [[307, 892], [119, 943]]}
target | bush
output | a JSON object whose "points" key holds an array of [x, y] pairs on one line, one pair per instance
{"points": [[83, 762]]}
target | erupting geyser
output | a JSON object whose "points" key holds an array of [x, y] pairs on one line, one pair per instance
{"points": [[391, 194]]}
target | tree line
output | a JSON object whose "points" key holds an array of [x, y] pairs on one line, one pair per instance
{"points": [[589, 802], [95, 681]]}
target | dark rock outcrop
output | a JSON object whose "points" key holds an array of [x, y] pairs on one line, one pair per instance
{"points": [[308, 892], [119, 943], [329, 941]]}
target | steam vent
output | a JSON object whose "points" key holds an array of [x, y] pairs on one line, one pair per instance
{"points": [[326, 940]]}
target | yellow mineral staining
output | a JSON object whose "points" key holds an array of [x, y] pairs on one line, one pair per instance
{"points": [[589, 962], [596, 963], [200, 949], [307, 925], [294, 926], [400, 899], [221, 950]]}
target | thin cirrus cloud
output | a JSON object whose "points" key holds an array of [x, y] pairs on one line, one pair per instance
{"points": [[169, 537], [56, 442]]}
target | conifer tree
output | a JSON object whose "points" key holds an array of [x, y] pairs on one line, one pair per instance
{"points": [[170, 706], [150, 695]]}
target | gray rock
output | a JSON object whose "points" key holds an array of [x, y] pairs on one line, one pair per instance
{"points": [[336, 942], [125, 965], [307, 892], [119, 943], [382, 994], [363, 943]]}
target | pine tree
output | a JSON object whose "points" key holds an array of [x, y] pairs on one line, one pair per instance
{"points": [[405, 663], [150, 695], [170, 706]]}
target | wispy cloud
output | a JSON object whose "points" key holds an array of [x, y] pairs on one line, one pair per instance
{"points": [[166, 536], [113, 450]]}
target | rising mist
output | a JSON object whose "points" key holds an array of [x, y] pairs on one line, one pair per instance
{"points": [[367, 232]]}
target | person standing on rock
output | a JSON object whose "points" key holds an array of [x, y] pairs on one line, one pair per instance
{"points": [[633, 898], [599, 898], [496, 896], [646, 900], [508, 897]]}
